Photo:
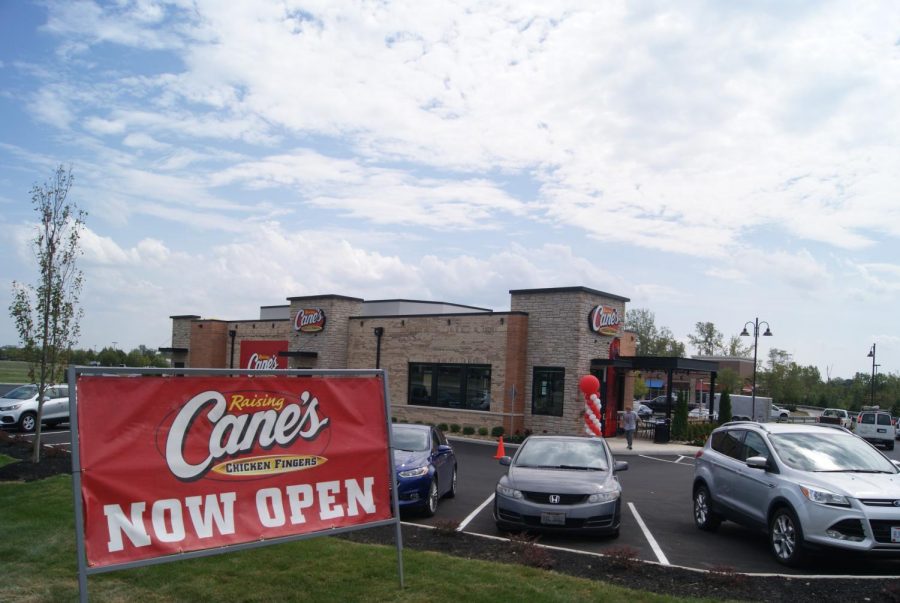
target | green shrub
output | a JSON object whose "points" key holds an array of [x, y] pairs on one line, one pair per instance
{"points": [[482, 431], [724, 408], [680, 420], [497, 431], [454, 428], [393, 419], [468, 430], [442, 426]]}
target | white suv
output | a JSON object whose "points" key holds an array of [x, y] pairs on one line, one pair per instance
{"points": [[805, 485], [19, 407], [875, 426]]}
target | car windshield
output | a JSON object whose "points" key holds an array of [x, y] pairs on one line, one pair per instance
{"points": [[22, 393], [585, 455], [833, 452], [409, 439]]}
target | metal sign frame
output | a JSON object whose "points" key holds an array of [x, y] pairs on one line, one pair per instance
{"points": [[84, 571]]}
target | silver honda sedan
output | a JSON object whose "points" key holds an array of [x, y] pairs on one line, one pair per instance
{"points": [[560, 483]]}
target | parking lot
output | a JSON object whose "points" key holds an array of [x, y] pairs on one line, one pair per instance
{"points": [[657, 520]]}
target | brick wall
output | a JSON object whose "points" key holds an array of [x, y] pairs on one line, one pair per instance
{"points": [[330, 344], [208, 344], [495, 339], [559, 336]]}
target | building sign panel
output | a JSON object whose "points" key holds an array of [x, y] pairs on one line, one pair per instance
{"points": [[263, 354], [310, 320], [605, 320], [177, 465]]}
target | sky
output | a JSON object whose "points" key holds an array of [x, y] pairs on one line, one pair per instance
{"points": [[711, 161]]}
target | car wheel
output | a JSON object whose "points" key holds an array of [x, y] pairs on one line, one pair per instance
{"points": [[452, 492], [704, 516], [614, 534], [786, 538], [431, 502], [27, 422], [890, 445]]}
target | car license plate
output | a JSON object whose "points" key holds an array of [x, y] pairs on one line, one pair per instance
{"points": [[895, 534], [553, 519]]}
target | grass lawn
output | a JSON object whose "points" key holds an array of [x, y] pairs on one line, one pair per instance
{"points": [[39, 564], [13, 371]]}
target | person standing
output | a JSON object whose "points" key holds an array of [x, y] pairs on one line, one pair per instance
{"points": [[629, 423]]}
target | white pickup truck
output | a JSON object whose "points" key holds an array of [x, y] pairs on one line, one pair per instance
{"points": [[836, 416]]}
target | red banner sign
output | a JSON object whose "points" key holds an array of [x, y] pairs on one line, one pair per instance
{"points": [[177, 464], [263, 354]]}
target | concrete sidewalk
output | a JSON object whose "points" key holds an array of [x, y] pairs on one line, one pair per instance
{"points": [[619, 447], [617, 444]]}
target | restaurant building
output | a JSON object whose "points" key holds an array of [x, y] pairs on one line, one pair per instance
{"points": [[445, 362]]}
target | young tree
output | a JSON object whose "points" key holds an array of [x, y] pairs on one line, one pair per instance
{"points": [[680, 419], [736, 347], [724, 408], [651, 341], [47, 315], [707, 339]]}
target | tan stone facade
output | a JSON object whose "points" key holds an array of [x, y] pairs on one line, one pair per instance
{"points": [[544, 328]]}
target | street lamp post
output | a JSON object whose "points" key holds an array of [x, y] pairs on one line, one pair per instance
{"points": [[871, 355], [744, 333]]}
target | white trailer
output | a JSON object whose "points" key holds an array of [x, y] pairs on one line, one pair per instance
{"points": [[742, 407]]}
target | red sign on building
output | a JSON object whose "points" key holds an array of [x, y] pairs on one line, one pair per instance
{"points": [[171, 465], [263, 354]]}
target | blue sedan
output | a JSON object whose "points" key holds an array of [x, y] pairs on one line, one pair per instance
{"points": [[425, 466]]}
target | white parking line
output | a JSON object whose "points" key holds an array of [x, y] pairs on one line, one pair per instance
{"points": [[462, 525], [653, 545], [675, 462]]}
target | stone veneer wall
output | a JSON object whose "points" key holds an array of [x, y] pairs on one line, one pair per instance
{"points": [[331, 343], [559, 336], [254, 330], [495, 339]]}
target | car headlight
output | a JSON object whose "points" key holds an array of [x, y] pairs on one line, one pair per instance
{"points": [[824, 497], [508, 492], [603, 496], [13, 407], [417, 472]]}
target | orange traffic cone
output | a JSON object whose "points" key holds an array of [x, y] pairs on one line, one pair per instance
{"points": [[501, 452]]}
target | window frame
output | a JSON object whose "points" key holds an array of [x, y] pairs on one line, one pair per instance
{"points": [[432, 371], [548, 410]]}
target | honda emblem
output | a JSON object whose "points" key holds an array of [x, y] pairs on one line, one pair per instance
{"points": [[554, 499]]}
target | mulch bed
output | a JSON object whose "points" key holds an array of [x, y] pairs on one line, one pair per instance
{"points": [[618, 566]]}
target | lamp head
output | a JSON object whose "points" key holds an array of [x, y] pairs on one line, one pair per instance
{"points": [[744, 333], [768, 333]]}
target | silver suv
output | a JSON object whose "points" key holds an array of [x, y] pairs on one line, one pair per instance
{"points": [[807, 486]]}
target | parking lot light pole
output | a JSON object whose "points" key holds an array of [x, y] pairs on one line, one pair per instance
{"points": [[744, 333], [871, 355]]}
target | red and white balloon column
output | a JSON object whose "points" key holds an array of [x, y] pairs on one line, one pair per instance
{"points": [[593, 408]]}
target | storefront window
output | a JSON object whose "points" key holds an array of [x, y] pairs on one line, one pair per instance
{"points": [[547, 391], [465, 386]]}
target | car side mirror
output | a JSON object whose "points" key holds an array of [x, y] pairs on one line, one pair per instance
{"points": [[758, 462], [620, 466], [506, 461], [444, 449]]}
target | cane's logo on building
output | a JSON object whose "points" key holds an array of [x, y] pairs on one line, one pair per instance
{"points": [[604, 320], [310, 320], [225, 433], [262, 361]]}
